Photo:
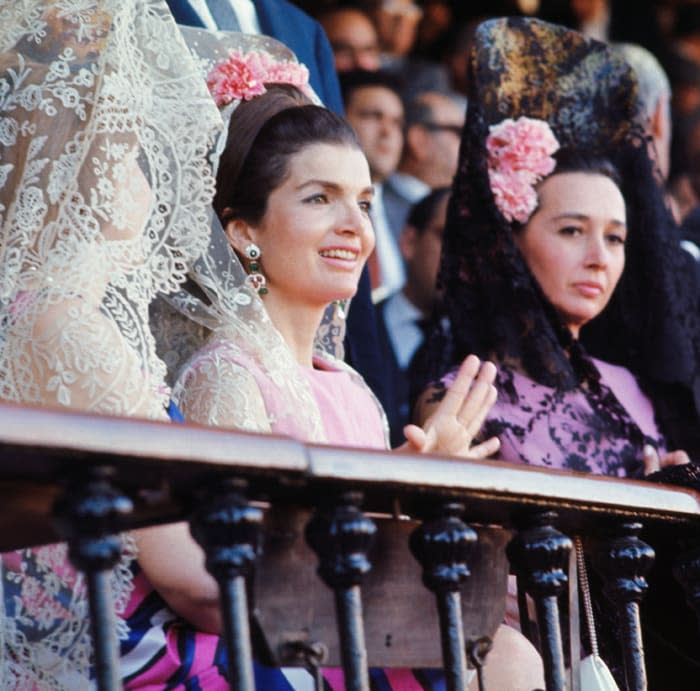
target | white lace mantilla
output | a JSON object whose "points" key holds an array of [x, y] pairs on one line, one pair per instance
{"points": [[105, 192], [104, 197], [46, 625]]}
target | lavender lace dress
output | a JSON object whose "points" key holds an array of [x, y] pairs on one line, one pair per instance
{"points": [[600, 429]]}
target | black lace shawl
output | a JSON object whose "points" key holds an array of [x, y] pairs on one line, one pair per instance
{"points": [[493, 304]]}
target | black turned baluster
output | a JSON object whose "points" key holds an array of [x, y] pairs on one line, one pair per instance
{"points": [[341, 536], [228, 529], [89, 515], [623, 563], [442, 545], [687, 573], [540, 554]]}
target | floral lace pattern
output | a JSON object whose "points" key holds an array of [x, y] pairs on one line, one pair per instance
{"points": [[583, 430], [598, 429], [226, 385], [45, 601], [105, 192], [94, 223]]}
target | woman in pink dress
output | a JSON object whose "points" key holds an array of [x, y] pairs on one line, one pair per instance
{"points": [[293, 199]]}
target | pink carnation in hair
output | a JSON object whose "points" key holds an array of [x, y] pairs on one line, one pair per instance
{"points": [[519, 156], [514, 195], [243, 76], [285, 72], [239, 77], [524, 144]]}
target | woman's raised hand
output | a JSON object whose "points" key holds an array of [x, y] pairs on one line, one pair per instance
{"points": [[457, 419], [653, 462]]}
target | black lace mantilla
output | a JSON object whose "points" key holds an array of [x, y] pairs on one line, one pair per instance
{"points": [[494, 306]]}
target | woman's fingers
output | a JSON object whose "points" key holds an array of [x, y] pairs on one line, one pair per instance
{"points": [[485, 449], [459, 416], [454, 398], [653, 463], [477, 410], [650, 459], [417, 439], [473, 390]]}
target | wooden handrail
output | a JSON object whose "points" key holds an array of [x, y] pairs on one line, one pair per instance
{"points": [[163, 468], [41, 446]]}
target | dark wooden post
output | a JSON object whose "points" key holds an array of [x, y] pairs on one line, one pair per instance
{"points": [[442, 545], [540, 554], [89, 516], [228, 529], [623, 562], [687, 573], [341, 536]]}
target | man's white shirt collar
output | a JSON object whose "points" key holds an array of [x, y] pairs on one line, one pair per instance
{"points": [[409, 187], [245, 13]]}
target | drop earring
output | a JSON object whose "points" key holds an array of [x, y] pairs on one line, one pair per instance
{"points": [[255, 278]]}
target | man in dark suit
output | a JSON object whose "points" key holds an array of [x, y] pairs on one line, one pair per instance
{"points": [[305, 37], [401, 318]]}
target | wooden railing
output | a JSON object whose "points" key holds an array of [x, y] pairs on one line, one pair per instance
{"points": [[378, 524]]}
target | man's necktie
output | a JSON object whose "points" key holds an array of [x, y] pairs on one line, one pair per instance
{"points": [[224, 15]]}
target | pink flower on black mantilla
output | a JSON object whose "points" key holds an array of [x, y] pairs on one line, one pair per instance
{"points": [[519, 156]]}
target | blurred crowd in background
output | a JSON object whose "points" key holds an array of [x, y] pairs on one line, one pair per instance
{"points": [[427, 44]]}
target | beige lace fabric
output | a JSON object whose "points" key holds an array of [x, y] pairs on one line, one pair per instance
{"points": [[105, 191]]}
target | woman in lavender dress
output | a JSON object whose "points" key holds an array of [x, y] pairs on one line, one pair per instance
{"points": [[562, 265]]}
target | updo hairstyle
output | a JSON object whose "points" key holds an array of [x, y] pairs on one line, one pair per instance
{"points": [[263, 134]]}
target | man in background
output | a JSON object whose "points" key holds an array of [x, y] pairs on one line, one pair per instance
{"points": [[432, 131], [402, 317], [353, 38], [277, 18], [374, 109]]}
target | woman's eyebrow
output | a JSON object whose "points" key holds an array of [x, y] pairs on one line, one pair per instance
{"points": [[333, 186], [584, 217]]}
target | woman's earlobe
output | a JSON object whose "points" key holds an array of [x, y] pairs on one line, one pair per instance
{"points": [[239, 234]]}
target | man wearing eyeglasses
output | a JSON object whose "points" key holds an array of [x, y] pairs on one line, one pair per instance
{"points": [[432, 130]]}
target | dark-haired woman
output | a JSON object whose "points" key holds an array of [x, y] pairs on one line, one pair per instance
{"points": [[561, 264], [293, 199]]}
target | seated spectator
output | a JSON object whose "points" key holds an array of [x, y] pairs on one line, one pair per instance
{"points": [[403, 316], [563, 266], [654, 102], [456, 51], [101, 111], [302, 35], [374, 109], [280, 19], [293, 198], [397, 25], [353, 38], [381, 35], [432, 128]]}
